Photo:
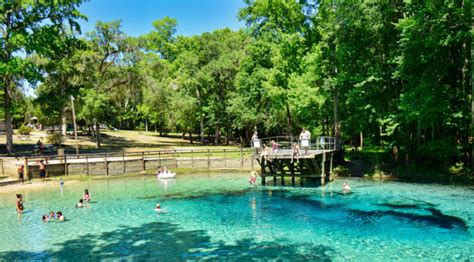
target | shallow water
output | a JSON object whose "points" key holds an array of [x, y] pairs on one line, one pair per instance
{"points": [[218, 216]]}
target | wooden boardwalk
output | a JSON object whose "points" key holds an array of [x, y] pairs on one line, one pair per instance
{"points": [[315, 164]]}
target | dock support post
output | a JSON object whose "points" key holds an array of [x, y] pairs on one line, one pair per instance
{"points": [[27, 170], [282, 180], [274, 180], [263, 180], [241, 160], [208, 160], [192, 159], [175, 159], [323, 173], [66, 171], [106, 166], [3, 170], [330, 167], [123, 162], [143, 161], [293, 182], [87, 165], [225, 158]]}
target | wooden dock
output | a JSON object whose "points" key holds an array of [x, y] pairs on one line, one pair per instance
{"points": [[314, 164]]}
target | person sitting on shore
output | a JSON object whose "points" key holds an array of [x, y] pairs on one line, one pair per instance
{"points": [[346, 188], [87, 196], [60, 217], [19, 203], [81, 203]]}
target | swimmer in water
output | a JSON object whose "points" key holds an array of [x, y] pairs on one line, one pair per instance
{"points": [[80, 204], [346, 188], [87, 196], [45, 218], [19, 203], [253, 178], [158, 209], [60, 216]]}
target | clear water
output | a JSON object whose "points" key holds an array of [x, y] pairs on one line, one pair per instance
{"points": [[219, 217]]}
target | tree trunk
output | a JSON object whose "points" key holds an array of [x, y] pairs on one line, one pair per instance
{"points": [[288, 119], [97, 134], [361, 140], [8, 116], [191, 138], [217, 136], [146, 125], [201, 128], [63, 121], [337, 126]]}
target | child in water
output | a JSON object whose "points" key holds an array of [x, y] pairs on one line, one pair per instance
{"points": [[346, 188], [87, 196], [253, 178], [19, 203], [80, 204]]}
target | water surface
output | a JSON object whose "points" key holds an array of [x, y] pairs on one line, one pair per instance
{"points": [[219, 216]]}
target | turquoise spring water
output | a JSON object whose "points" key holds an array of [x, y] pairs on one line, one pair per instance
{"points": [[220, 217]]}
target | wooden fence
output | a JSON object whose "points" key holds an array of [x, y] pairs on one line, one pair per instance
{"points": [[131, 162]]}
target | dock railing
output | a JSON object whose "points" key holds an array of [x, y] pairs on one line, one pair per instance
{"points": [[111, 163], [317, 143]]}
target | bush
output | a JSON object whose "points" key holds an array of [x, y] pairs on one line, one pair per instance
{"points": [[437, 152], [55, 138], [25, 130]]}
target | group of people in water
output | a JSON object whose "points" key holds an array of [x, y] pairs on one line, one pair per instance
{"points": [[86, 198], [59, 216]]}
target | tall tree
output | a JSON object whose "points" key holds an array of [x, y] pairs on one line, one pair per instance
{"points": [[29, 27]]}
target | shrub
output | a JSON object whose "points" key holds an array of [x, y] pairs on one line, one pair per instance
{"points": [[25, 130], [55, 138]]}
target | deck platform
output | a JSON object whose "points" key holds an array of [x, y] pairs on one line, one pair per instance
{"points": [[313, 165]]}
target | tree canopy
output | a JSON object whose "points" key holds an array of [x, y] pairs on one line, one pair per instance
{"points": [[391, 74]]}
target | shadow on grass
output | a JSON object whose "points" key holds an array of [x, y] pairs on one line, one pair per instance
{"points": [[167, 242]]}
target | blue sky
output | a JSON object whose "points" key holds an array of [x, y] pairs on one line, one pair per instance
{"points": [[194, 16]]}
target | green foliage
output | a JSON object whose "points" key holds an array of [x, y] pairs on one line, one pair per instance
{"points": [[437, 152], [25, 130], [55, 138], [392, 72]]}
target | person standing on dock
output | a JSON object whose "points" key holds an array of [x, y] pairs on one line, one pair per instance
{"points": [[305, 137]]}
